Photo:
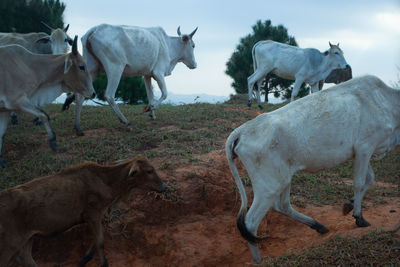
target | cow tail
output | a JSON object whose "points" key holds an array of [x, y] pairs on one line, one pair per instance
{"points": [[253, 54], [230, 145]]}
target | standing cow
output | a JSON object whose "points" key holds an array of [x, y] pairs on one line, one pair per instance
{"points": [[357, 119], [133, 51], [302, 65], [29, 81]]}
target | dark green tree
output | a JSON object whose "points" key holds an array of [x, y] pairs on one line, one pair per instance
{"points": [[240, 64], [25, 16]]}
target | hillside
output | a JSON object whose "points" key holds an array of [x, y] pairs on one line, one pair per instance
{"points": [[194, 223]]}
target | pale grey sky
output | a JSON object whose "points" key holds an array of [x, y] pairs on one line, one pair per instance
{"points": [[368, 31]]}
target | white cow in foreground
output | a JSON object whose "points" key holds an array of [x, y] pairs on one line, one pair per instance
{"points": [[358, 119], [133, 51], [29, 81], [290, 62]]}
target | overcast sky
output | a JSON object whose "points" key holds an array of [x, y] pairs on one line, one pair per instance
{"points": [[368, 31]]}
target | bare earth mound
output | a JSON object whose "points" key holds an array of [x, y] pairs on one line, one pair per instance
{"points": [[195, 225]]}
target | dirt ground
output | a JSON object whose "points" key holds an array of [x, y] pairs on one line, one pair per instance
{"points": [[195, 225]]}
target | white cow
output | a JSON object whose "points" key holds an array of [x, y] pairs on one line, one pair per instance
{"points": [[302, 65], [31, 80], [134, 51], [357, 119]]}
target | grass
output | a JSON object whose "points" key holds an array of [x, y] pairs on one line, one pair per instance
{"points": [[178, 136]]}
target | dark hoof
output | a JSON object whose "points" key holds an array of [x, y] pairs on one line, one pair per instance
{"points": [[249, 103], [361, 222], [80, 133], [319, 228], [14, 119], [37, 122], [3, 164], [347, 207], [260, 107]]}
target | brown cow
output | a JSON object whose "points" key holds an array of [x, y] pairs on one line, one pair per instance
{"points": [[53, 204]]}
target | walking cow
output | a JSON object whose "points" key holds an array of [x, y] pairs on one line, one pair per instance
{"points": [[133, 51], [302, 65], [29, 81], [357, 119]]}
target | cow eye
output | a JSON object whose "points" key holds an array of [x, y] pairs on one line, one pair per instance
{"points": [[82, 68], [336, 53], [150, 171]]}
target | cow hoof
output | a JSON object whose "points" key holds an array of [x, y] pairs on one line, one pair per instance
{"points": [[347, 207], [14, 119], [3, 164], [249, 104], [361, 222], [319, 228], [37, 122], [53, 144], [260, 107]]}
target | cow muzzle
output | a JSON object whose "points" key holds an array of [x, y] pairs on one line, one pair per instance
{"points": [[162, 188]]}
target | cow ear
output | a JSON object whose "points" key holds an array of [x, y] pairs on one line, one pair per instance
{"points": [[326, 53], [67, 64], [44, 40]]}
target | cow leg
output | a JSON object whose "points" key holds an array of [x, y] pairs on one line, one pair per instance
{"points": [[24, 256], [361, 171], [282, 205], [78, 109], [314, 87], [113, 78], [256, 213], [296, 89], [150, 95], [97, 230], [163, 87], [3, 127], [14, 118], [349, 206], [25, 105], [251, 80], [259, 82]]}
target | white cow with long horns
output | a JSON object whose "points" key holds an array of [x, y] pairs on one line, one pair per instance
{"points": [[133, 51]]}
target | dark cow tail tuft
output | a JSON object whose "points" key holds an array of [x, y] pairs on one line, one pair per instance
{"points": [[68, 101], [241, 225]]}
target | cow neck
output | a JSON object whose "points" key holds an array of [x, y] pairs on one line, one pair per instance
{"points": [[175, 52], [325, 74], [52, 71]]}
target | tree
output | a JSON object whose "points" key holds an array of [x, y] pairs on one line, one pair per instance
{"points": [[25, 16], [240, 64]]}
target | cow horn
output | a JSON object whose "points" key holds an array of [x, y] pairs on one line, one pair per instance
{"points": [[337, 44], [66, 28], [75, 46], [330, 44], [193, 32], [47, 26], [179, 31]]}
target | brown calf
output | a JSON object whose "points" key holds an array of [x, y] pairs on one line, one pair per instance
{"points": [[75, 195]]}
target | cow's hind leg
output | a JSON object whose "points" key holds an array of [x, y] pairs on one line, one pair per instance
{"points": [[24, 256], [113, 79], [3, 127], [259, 208], [257, 76], [282, 205]]}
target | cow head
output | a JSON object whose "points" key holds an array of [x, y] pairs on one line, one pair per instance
{"points": [[187, 56], [143, 175], [59, 40], [76, 77], [336, 58], [339, 75]]}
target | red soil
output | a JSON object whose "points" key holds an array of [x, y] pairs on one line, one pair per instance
{"points": [[199, 229]]}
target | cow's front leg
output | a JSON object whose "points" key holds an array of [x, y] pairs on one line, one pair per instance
{"points": [[296, 89], [363, 178], [150, 96], [25, 105], [314, 87], [3, 127]]}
